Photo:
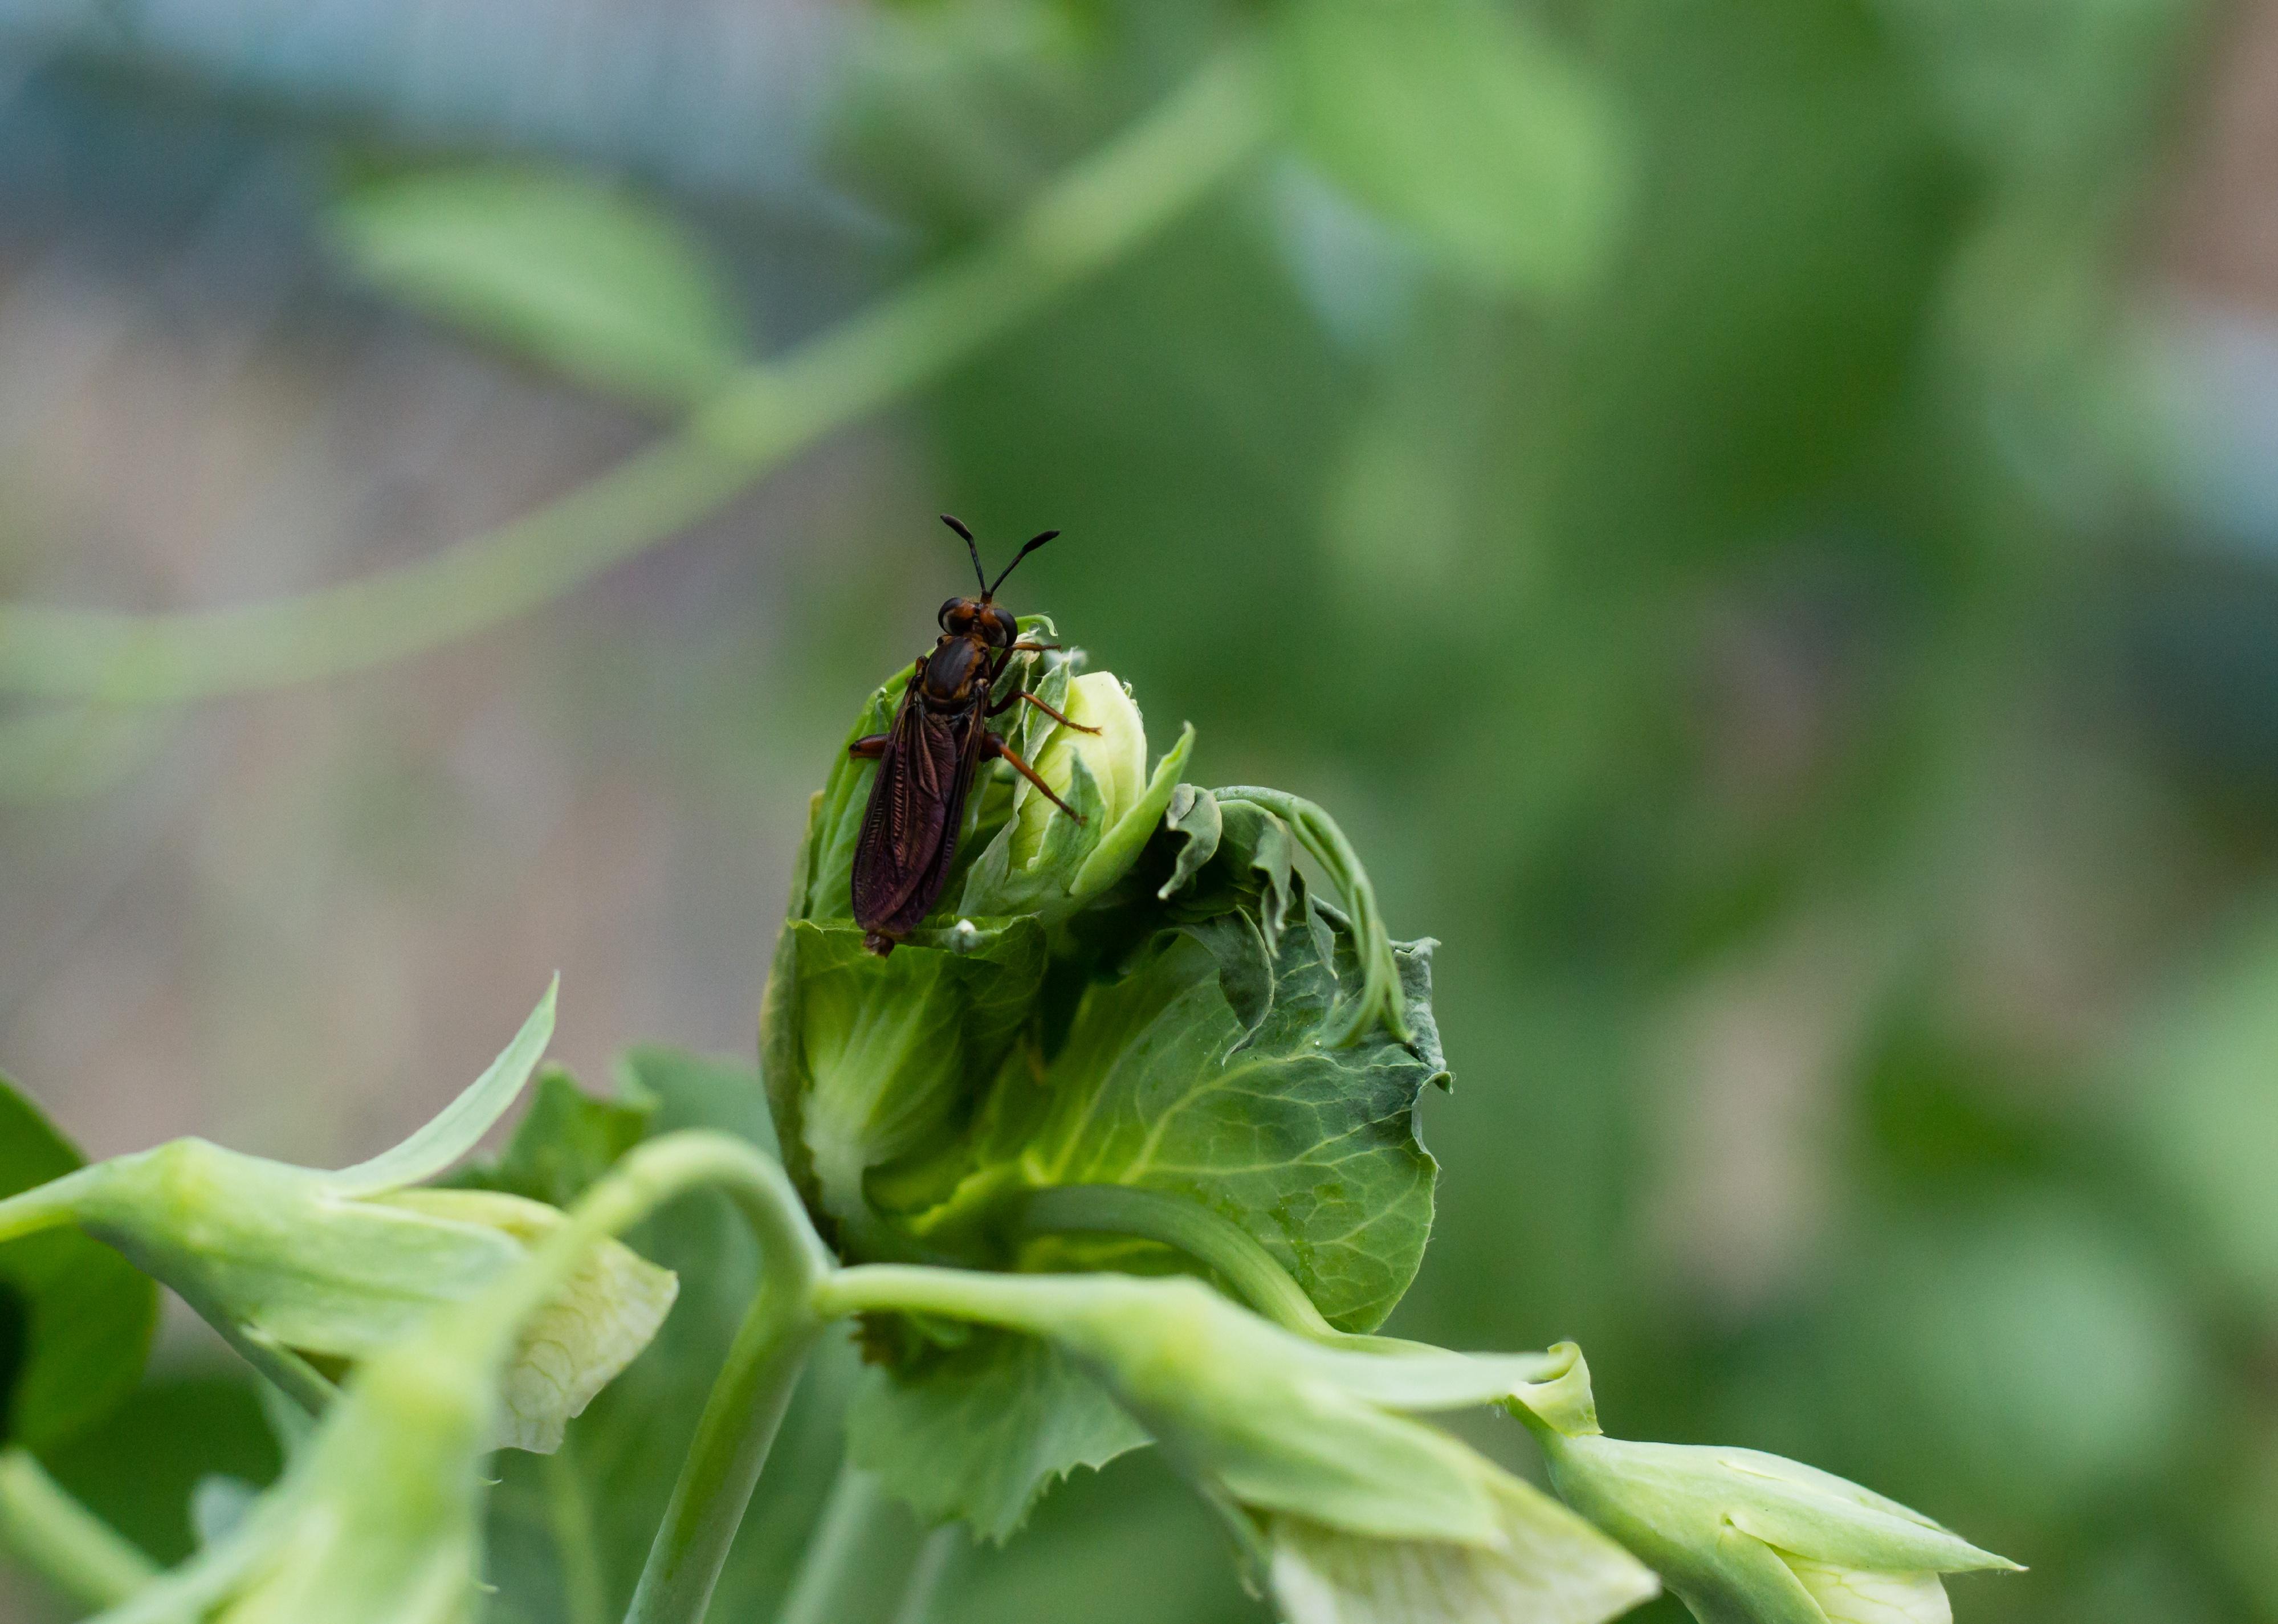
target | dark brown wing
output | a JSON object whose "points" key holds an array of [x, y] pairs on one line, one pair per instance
{"points": [[917, 801]]}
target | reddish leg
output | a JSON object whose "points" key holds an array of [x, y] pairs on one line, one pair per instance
{"points": [[991, 745], [1036, 648], [870, 747], [1007, 702]]}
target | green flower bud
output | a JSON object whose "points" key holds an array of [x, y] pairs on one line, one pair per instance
{"points": [[1045, 862], [582, 1336], [300, 1267], [1744, 1538], [378, 1517], [872, 1062], [1114, 757], [1357, 1513]]}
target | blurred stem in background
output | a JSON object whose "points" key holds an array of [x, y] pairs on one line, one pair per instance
{"points": [[55, 1535], [1084, 222], [868, 1560]]}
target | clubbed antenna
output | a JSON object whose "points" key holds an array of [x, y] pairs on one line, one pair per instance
{"points": [[956, 524], [1034, 544]]}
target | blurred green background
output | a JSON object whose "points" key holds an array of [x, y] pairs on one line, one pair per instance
{"points": [[1760, 517]]}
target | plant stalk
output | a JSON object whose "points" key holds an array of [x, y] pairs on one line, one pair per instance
{"points": [[75, 1551], [937, 1559], [864, 1549], [1192, 1229], [732, 1439], [569, 1520], [1083, 222], [746, 1405]]}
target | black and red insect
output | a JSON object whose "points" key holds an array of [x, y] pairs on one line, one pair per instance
{"points": [[927, 759]]}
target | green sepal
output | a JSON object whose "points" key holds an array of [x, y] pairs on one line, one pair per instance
{"points": [[1725, 1527], [565, 1141], [455, 1130]]}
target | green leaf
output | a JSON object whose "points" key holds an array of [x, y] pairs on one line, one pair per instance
{"points": [[1161, 1085], [2201, 1114], [870, 1060], [76, 1319], [1194, 821], [139, 1467], [579, 277], [566, 1141], [1265, 848], [1204, 1073], [698, 1091], [1453, 119], [980, 1431]]}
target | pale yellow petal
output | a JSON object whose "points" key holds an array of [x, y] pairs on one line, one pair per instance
{"points": [[1850, 1596]]}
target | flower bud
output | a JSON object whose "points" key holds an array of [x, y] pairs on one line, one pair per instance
{"points": [[378, 1517], [1043, 861], [1357, 1513], [1741, 1535], [1114, 758], [330, 1267]]}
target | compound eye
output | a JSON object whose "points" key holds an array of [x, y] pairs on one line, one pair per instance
{"points": [[1004, 631], [950, 608]]}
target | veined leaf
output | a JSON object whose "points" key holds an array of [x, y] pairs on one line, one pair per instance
{"points": [[76, 1319], [1309, 1149], [1452, 119], [980, 1431], [1210, 1070], [576, 275], [1206, 1070], [870, 1060]]}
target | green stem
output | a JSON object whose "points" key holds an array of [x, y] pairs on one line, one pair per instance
{"points": [[936, 1558], [1038, 1305], [67, 1544], [44, 1207], [292, 1376], [864, 1548], [569, 1519], [747, 1400], [746, 1404], [1194, 1230], [1085, 221], [791, 1254], [732, 1440]]}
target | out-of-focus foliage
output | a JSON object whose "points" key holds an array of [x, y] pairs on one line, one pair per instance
{"points": [[1465, 125], [1720, 559], [75, 1318], [593, 283]]}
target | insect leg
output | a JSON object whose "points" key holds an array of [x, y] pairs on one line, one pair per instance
{"points": [[870, 747], [1007, 702], [991, 745], [1036, 648]]}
